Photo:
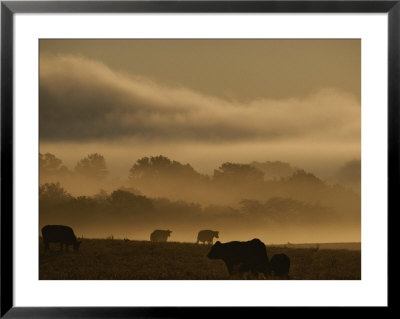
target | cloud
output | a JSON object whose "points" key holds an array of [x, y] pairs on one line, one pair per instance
{"points": [[83, 100]]}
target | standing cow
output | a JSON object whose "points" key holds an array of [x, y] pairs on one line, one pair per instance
{"points": [[207, 236], [246, 256], [160, 235], [280, 264], [59, 234]]}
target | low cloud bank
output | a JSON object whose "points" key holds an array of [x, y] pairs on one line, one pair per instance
{"points": [[83, 100]]}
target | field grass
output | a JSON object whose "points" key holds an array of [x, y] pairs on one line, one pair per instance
{"points": [[132, 260]]}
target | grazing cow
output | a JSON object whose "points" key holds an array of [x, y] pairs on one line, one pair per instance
{"points": [[160, 235], [248, 256], [207, 236], [59, 234], [280, 264]]}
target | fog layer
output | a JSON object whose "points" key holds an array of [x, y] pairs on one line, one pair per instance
{"points": [[124, 151]]}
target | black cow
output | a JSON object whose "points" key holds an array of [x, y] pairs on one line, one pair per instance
{"points": [[280, 264], [59, 234], [246, 256], [207, 236], [160, 235]]}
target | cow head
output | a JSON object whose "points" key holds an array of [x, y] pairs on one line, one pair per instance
{"points": [[216, 234], [76, 245], [169, 232], [215, 251]]}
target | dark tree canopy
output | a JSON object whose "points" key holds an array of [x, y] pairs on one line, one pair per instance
{"points": [[53, 192], [155, 167], [92, 166], [274, 170], [301, 176], [124, 199], [232, 172], [49, 164]]}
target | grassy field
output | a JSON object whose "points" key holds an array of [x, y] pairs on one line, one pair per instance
{"points": [[118, 260]]}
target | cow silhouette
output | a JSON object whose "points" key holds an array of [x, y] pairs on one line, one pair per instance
{"points": [[280, 264], [160, 235], [207, 236], [59, 234], [248, 256]]}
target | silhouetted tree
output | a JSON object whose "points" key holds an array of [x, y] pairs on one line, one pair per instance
{"points": [[159, 167], [53, 192], [127, 200], [301, 176], [50, 165], [238, 173], [132, 190], [84, 203], [92, 166], [274, 170], [101, 196]]}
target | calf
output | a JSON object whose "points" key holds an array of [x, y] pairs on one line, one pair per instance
{"points": [[280, 264]]}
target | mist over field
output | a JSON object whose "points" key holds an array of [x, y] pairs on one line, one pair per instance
{"points": [[271, 200], [255, 139]]}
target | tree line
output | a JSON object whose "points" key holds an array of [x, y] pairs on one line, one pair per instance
{"points": [[123, 205], [157, 185]]}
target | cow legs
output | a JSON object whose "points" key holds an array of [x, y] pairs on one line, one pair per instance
{"points": [[230, 268], [244, 274], [61, 246], [46, 246], [266, 273], [254, 274]]}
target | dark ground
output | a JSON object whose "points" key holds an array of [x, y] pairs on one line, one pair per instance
{"points": [[118, 260]]}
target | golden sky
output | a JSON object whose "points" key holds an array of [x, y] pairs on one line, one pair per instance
{"points": [[202, 101]]}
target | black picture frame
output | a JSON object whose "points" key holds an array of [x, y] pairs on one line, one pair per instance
{"points": [[9, 8]]}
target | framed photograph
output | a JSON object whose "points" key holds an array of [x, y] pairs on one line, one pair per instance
{"points": [[159, 156]]}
